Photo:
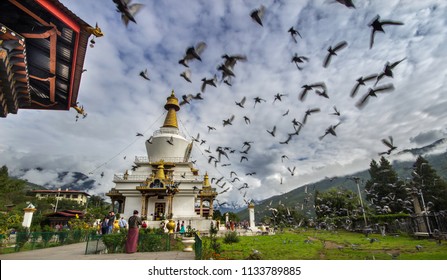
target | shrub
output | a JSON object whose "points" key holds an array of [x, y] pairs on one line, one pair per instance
{"points": [[62, 236], [231, 237], [151, 243], [22, 238], [114, 242], [47, 234]]}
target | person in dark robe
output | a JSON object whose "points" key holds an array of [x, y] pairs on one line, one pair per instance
{"points": [[132, 235], [105, 225]]}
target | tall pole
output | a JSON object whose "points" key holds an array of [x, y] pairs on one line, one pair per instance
{"points": [[356, 180], [361, 203], [57, 199]]}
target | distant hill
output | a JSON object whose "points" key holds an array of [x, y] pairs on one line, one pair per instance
{"points": [[65, 180], [295, 198]]}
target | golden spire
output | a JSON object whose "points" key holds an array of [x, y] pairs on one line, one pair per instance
{"points": [[172, 107], [160, 172], [206, 181]]}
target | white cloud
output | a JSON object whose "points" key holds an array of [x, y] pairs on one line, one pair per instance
{"points": [[120, 103]]}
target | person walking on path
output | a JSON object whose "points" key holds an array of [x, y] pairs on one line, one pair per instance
{"points": [[182, 228], [132, 235], [122, 223]]}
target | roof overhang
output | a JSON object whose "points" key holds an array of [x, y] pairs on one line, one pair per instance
{"points": [[56, 43]]}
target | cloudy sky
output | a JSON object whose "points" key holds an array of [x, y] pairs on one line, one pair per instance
{"points": [[120, 103]]}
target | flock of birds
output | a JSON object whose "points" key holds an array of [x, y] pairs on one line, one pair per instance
{"points": [[223, 156]]}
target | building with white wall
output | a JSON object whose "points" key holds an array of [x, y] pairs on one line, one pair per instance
{"points": [[165, 184]]}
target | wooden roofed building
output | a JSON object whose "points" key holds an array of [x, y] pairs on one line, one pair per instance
{"points": [[42, 51]]}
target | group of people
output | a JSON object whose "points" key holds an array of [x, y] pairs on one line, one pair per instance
{"points": [[132, 224], [107, 223], [180, 228]]}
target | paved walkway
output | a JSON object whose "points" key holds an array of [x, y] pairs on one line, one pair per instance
{"points": [[77, 252]]}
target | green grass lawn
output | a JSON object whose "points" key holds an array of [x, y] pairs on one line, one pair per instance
{"points": [[339, 245]]}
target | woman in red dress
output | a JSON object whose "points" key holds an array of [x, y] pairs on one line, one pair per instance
{"points": [[132, 235]]}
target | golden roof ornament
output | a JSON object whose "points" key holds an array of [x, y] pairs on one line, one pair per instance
{"points": [[206, 181], [160, 174], [172, 107]]}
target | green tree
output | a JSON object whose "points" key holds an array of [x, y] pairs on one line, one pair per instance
{"points": [[11, 189], [335, 203], [384, 190], [433, 187]]}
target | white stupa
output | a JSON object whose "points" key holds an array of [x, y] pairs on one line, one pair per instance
{"points": [[164, 184]]}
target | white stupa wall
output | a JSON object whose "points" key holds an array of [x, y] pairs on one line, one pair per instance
{"points": [[160, 149], [183, 206], [133, 202]]}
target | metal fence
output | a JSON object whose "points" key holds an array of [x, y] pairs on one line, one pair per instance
{"points": [[38, 240], [411, 225], [198, 247]]}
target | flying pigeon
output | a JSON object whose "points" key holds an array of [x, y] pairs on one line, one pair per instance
{"points": [[258, 14], [377, 26], [333, 51], [193, 53], [293, 33], [144, 74], [127, 10]]}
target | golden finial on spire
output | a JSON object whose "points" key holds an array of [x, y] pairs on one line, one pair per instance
{"points": [[206, 181], [172, 107]]}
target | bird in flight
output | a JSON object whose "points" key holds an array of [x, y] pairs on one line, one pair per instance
{"points": [[308, 113], [347, 3], [336, 112], [186, 75], [185, 99], [230, 60], [170, 141], [388, 70], [333, 51], [241, 103], [289, 137], [193, 53], [273, 131], [227, 73], [377, 26], [372, 93], [139, 134], [210, 128], [297, 59], [144, 74], [127, 10], [211, 82], [258, 14], [293, 33], [292, 170], [247, 120], [228, 121], [330, 130], [306, 88], [361, 81], [389, 143], [278, 96], [258, 100]]}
